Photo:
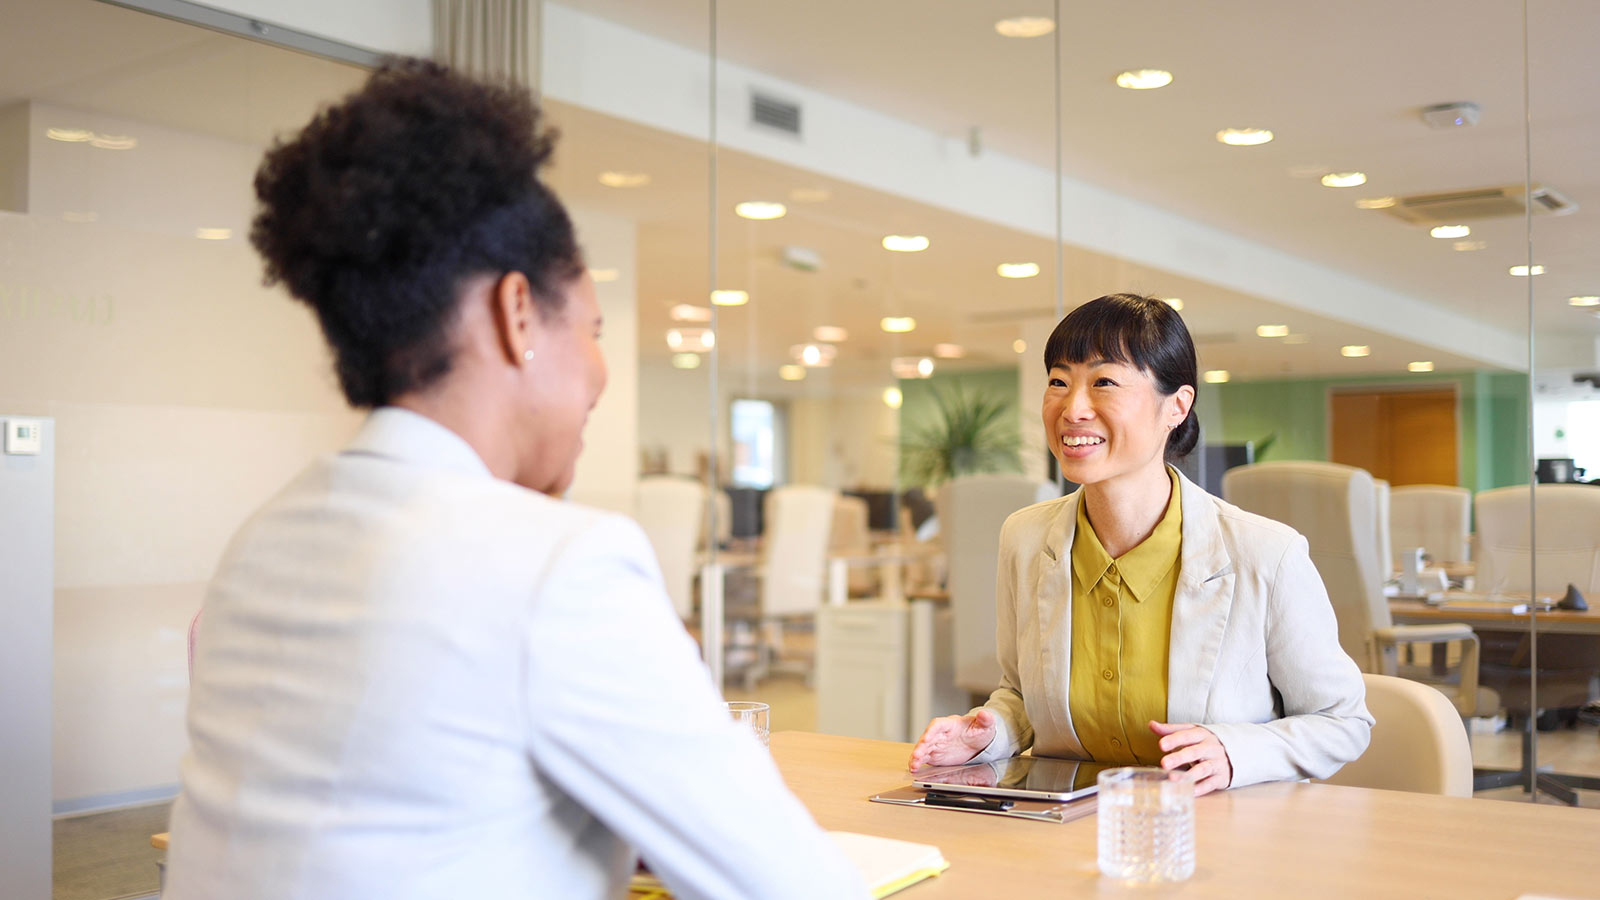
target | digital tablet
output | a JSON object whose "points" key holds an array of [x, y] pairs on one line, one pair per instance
{"points": [[1020, 777]]}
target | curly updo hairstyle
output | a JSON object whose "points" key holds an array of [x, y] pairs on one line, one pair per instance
{"points": [[376, 213], [1143, 332]]}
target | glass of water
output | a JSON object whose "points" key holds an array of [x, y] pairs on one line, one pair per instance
{"points": [[754, 716], [1146, 824]]}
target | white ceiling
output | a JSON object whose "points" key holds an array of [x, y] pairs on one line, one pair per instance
{"points": [[1339, 92]]}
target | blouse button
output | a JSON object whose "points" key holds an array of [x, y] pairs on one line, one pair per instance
{"points": [[1107, 675], [1116, 743], [1108, 601]]}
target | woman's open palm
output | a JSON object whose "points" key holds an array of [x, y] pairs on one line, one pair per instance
{"points": [[953, 740]]}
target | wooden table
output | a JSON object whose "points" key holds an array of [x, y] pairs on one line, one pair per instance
{"points": [[1552, 621], [1275, 840]]}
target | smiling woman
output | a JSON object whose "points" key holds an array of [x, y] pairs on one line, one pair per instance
{"points": [[1142, 621]]}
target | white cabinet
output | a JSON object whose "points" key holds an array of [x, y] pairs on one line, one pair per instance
{"points": [[862, 670]]}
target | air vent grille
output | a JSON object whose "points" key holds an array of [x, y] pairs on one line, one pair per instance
{"points": [[1478, 203], [770, 112]]}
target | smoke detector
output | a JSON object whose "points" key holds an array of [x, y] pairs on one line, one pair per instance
{"points": [[1451, 115]]}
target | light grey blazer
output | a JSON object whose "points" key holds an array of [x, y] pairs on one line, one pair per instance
{"points": [[1254, 655]]}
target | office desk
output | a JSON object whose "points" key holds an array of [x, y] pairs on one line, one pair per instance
{"points": [[1279, 840], [1553, 621]]}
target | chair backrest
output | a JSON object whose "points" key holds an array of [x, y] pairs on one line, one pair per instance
{"points": [[1418, 743], [1435, 517], [1568, 538], [669, 510], [850, 534], [972, 509], [799, 518], [1380, 496], [1335, 507]]}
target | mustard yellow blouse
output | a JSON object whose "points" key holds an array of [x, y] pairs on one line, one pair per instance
{"points": [[1121, 626]]}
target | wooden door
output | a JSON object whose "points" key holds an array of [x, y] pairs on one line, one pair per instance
{"points": [[1403, 437]]}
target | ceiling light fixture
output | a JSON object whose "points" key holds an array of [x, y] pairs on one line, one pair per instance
{"points": [[1375, 203], [686, 360], [814, 356], [213, 234], [113, 142], [1272, 330], [1583, 301], [624, 179], [830, 334], [1525, 271], [897, 324], [949, 351], [692, 340], [1174, 302], [1217, 376], [1017, 270], [69, 135], [760, 210], [1019, 345], [1355, 350], [792, 373], [683, 312], [601, 276], [1025, 26], [729, 298], [1244, 137], [911, 367], [1444, 232], [1344, 179], [892, 397], [1144, 79], [905, 243], [1421, 365]]}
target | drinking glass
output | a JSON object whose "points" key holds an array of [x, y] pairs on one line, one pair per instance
{"points": [[1146, 824], [753, 716]]}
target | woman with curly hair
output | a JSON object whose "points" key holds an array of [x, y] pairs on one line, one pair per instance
{"points": [[420, 673]]}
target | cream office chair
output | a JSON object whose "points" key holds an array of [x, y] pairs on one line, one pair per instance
{"points": [[793, 571], [1568, 537], [1334, 506], [1435, 517], [1380, 493], [851, 536], [971, 510], [670, 510], [1418, 743]]}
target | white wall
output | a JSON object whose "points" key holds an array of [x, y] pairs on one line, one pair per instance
{"points": [[845, 440], [608, 470]]}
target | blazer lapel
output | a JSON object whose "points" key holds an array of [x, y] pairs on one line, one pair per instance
{"points": [[1200, 606], [1053, 596]]}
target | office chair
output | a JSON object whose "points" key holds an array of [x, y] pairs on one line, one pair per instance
{"points": [[1418, 743]]}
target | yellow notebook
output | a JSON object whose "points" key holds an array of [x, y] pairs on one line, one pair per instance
{"points": [[887, 865]]}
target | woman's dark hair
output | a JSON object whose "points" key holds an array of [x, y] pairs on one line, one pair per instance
{"points": [[1142, 332], [376, 213]]}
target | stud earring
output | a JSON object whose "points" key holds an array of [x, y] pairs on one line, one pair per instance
{"points": [[527, 355]]}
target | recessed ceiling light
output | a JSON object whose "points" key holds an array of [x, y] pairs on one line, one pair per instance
{"points": [[686, 360], [1583, 301], [1025, 26], [691, 340], [1450, 231], [1468, 246], [1174, 302], [949, 351], [1421, 365], [1271, 330], [729, 298], [601, 276], [911, 367], [892, 397], [1244, 137], [1019, 345], [1375, 203], [760, 210], [1217, 376], [830, 334], [683, 312], [905, 243], [113, 142], [1144, 79], [624, 179], [814, 355], [1355, 350], [1017, 270], [1525, 271], [1344, 179], [792, 373], [897, 324], [213, 234], [809, 195], [69, 135], [1297, 339]]}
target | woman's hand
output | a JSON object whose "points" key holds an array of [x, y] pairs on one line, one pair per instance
{"points": [[953, 740], [1198, 749]]}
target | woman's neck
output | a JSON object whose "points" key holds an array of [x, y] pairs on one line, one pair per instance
{"points": [[1126, 510]]}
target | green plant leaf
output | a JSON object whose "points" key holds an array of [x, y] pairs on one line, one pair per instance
{"points": [[974, 432]]}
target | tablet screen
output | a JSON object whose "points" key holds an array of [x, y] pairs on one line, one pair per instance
{"points": [[1023, 777]]}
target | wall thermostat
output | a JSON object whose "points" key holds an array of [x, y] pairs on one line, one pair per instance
{"points": [[24, 437]]}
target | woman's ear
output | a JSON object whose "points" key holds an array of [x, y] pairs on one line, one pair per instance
{"points": [[515, 317], [1183, 401]]}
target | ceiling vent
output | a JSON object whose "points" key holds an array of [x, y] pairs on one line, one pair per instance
{"points": [[770, 112], [1453, 207]]}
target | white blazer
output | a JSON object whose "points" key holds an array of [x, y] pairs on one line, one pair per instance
{"points": [[1254, 653], [414, 680]]}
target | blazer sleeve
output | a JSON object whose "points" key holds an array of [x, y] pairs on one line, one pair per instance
{"points": [[1325, 722], [1013, 731], [622, 715]]}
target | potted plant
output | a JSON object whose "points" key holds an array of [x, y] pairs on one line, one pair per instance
{"points": [[971, 432]]}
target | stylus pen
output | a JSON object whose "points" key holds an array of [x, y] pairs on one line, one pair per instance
{"points": [[968, 801]]}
